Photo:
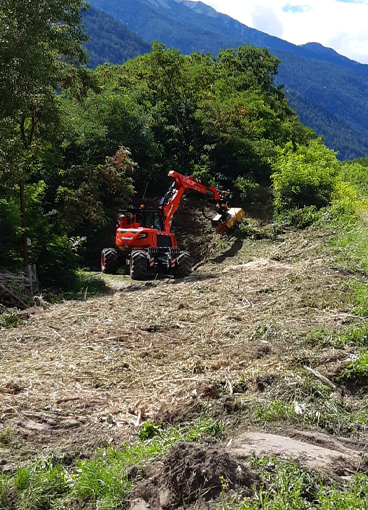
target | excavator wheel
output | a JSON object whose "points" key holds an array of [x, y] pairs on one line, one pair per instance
{"points": [[109, 261], [138, 265], [183, 265]]}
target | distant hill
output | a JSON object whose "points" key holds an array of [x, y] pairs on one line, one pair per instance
{"points": [[331, 99], [337, 133], [334, 86], [110, 41]]}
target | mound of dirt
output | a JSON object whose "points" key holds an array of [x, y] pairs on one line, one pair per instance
{"points": [[190, 473]]}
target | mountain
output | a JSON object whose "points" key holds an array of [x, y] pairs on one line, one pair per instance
{"points": [[336, 86], [110, 40], [352, 143], [337, 96], [174, 22]]}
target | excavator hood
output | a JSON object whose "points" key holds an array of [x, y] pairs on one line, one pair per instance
{"points": [[227, 218]]}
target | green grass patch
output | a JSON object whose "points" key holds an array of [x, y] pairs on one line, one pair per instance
{"points": [[273, 411], [360, 293], [357, 372], [6, 436], [287, 485], [87, 285], [101, 482], [302, 400], [350, 242], [323, 337]]}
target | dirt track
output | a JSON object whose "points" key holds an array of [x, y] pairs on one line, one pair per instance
{"points": [[82, 374]]}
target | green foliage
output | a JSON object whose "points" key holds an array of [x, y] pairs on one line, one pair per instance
{"points": [[299, 218], [358, 370], [304, 176], [328, 91], [101, 482], [85, 286], [57, 262], [221, 118], [356, 174], [4, 491], [9, 318], [9, 234], [6, 436], [246, 186], [322, 337], [39, 40], [41, 484], [351, 243], [148, 431], [274, 411], [288, 485]]}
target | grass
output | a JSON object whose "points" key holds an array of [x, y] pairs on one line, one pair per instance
{"points": [[6, 436], [323, 337], [358, 370], [287, 485], [300, 400], [103, 482], [87, 286]]}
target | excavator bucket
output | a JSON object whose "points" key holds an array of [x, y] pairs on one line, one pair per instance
{"points": [[223, 222]]}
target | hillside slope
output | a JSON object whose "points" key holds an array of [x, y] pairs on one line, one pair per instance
{"points": [[252, 370], [109, 40], [335, 84], [247, 321]]}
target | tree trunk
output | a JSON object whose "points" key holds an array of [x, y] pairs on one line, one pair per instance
{"points": [[24, 228]]}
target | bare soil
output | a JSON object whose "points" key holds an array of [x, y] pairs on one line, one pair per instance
{"points": [[192, 473]]}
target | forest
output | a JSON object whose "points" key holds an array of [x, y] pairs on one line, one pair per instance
{"points": [[77, 144], [109, 40], [316, 77]]}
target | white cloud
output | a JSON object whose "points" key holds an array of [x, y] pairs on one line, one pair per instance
{"points": [[266, 20], [340, 24]]}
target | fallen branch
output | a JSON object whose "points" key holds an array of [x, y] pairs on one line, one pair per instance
{"points": [[321, 377]]}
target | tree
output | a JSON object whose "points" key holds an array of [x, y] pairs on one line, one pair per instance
{"points": [[40, 53]]}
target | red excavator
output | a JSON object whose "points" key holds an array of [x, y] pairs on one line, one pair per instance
{"points": [[144, 239]]}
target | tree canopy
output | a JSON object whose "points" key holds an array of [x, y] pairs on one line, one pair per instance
{"points": [[80, 143]]}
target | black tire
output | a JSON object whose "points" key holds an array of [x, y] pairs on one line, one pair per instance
{"points": [[184, 265], [138, 265], [109, 261]]}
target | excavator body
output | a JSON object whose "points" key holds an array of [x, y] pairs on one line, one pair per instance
{"points": [[144, 239]]}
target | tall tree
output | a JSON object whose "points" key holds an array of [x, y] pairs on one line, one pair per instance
{"points": [[40, 53]]}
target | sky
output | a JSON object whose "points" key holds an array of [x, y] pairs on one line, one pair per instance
{"points": [[338, 24]]}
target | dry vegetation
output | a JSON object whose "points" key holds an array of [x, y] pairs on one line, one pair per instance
{"points": [[248, 339], [82, 372]]}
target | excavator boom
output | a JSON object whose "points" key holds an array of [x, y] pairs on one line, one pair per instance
{"points": [[169, 204]]}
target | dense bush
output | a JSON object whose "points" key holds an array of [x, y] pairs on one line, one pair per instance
{"points": [[304, 176]]}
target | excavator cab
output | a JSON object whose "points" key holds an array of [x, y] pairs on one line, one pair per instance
{"points": [[127, 219], [136, 218]]}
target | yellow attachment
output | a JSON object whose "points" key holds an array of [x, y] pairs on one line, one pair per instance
{"points": [[228, 219]]}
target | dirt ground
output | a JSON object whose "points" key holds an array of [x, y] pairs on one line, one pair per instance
{"points": [[82, 374]]}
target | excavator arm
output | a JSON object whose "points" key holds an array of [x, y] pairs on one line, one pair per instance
{"points": [[170, 202]]}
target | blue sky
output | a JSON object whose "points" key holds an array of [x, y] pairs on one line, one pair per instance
{"points": [[337, 24]]}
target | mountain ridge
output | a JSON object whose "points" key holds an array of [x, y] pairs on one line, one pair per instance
{"points": [[337, 84]]}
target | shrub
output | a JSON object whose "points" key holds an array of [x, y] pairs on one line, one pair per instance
{"points": [[57, 263], [304, 176]]}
